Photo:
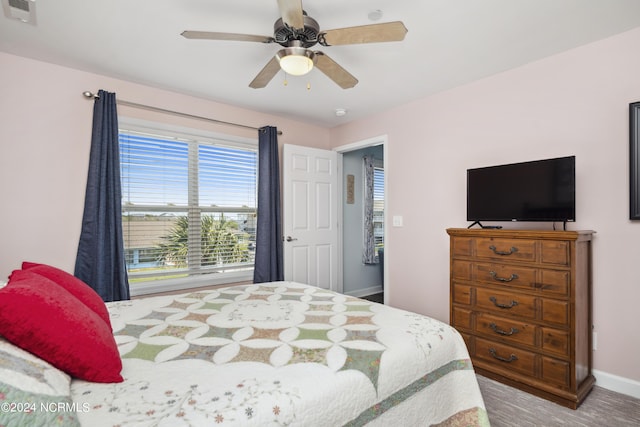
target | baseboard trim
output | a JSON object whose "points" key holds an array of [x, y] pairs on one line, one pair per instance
{"points": [[618, 384], [359, 293]]}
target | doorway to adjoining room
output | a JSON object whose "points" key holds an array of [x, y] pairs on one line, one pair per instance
{"points": [[363, 223]]}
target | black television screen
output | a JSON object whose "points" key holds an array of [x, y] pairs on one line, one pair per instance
{"points": [[541, 190]]}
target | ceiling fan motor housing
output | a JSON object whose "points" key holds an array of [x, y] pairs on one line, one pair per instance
{"points": [[307, 36]]}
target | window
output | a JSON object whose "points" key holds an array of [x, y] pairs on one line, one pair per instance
{"points": [[378, 207], [188, 208]]}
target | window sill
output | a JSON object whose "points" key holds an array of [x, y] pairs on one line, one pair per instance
{"points": [[170, 285]]}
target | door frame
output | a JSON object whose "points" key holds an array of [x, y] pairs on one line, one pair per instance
{"points": [[364, 143]]}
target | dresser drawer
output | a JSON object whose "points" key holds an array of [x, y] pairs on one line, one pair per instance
{"points": [[461, 319], [505, 357], [462, 246], [557, 372], [506, 249], [508, 330], [543, 280], [512, 275], [461, 270], [555, 341], [506, 303], [553, 281], [555, 311], [462, 294], [555, 252]]}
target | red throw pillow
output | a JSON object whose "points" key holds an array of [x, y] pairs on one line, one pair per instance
{"points": [[49, 322], [73, 285]]}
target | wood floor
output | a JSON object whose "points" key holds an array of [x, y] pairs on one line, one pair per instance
{"points": [[509, 407]]}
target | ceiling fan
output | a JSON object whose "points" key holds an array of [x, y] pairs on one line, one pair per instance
{"points": [[297, 32]]}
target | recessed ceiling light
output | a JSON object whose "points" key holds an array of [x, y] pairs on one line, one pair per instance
{"points": [[340, 112]]}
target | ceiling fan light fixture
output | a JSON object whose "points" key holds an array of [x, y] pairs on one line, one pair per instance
{"points": [[296, 61]]}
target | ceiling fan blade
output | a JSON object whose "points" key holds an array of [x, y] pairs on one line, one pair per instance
{"points": [[266, 74], [374, 33], [334, 71], [208, 35], [291, 12]]}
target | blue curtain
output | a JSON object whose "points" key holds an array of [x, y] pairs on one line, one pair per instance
{"points": [[269, 264], [100, 261]]}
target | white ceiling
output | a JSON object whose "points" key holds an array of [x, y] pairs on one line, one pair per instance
{"points": [[449, 43]]}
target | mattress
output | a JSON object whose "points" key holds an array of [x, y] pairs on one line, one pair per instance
{"points": [[281, 353]]}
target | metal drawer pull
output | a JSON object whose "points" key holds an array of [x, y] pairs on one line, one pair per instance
{"points": [[511, 358], [495, 302], [497, 252], [503, 279], [495, 329]]}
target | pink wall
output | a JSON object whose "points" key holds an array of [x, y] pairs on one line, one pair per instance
{"points": [[575, 103], [45, 134]]}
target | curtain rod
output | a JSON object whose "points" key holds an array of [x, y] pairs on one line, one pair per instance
{"points": [[88, 95]]}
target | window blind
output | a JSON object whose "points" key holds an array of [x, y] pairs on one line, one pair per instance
{"points": [[189, 205], [378, 207]]}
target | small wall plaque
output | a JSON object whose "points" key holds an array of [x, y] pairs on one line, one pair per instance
{"points": [[350, 189]]}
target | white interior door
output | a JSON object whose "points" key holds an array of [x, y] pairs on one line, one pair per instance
{"points": [[310, 216]]}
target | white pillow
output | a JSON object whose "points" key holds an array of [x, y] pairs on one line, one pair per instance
{"points": [[34, 387]]}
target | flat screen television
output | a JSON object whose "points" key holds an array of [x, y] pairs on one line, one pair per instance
{"points": [[541, 190]]}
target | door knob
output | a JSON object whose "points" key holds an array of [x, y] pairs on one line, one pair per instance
{"points": [[290, 239]]}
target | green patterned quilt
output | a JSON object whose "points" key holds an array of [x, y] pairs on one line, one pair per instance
{"points": [[281, 353]]}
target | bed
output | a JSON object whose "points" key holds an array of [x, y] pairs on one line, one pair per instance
{"points": [[279, 353]]}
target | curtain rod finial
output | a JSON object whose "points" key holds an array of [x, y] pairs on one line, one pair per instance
{"points": [[88, 94]]}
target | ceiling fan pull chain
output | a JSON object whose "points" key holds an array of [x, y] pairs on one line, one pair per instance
{"points": [[308, 86]]}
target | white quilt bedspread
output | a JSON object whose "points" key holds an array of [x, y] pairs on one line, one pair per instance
{"points": [[281, 353]]}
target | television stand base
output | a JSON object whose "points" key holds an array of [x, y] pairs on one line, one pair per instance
{"points": [[488, 227], [564, 226]]}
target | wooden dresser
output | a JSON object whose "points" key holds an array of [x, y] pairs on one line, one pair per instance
{"points": [[522, 301]]}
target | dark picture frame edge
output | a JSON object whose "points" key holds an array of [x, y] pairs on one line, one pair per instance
{"points": [[634, 161]]}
